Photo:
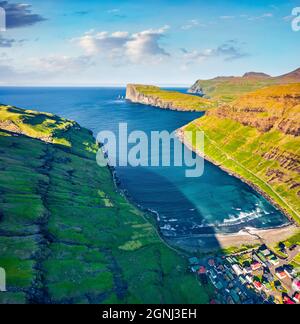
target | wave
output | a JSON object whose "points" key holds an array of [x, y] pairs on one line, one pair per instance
{"points": [[245, 217]]}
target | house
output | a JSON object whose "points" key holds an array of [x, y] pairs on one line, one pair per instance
{"points": [[257, 258], [229, 260], [202, 270], [212, 262], [296, 284], [248, 270], [220, 269], [268, 277], [249, 279], [255, 266], [266, 252], [237, 269], [287, 301], [227, 267], [242, 280], [213, 274], [258, 285], [273, 260], [229, 275], [219, 285], [262, 257], [289, 270], [280, 273], [195, 268], [268, 287], [235, 297], [194, 261], [297, 298]]}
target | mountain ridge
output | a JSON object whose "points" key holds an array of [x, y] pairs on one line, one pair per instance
{"points": [[227, 89]]}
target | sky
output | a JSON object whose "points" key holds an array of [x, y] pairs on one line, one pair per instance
{"points": [[161, 42]]}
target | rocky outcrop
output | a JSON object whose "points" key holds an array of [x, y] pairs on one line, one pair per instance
{"points": [[173, 100], [197, 89], [134, 95]]}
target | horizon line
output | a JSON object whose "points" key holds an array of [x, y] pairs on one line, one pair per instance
{"points": [[89, 85]]}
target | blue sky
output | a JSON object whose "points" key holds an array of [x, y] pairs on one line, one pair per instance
{"points": [[164, 42]]}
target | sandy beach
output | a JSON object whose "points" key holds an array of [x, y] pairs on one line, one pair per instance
{"points": [[254, 236]]}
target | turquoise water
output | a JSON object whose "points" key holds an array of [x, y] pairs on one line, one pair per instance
{"points": [[183, 207]]}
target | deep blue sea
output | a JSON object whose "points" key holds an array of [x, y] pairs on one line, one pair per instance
{"points": [[184, 207]]}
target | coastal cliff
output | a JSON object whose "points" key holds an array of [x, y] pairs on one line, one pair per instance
{"points": [[154, 96], [257, 138]]}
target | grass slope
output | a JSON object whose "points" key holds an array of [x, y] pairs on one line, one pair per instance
{"points": [[257, 138], [66, 234]]}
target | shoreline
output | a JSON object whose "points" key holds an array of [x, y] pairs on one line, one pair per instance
{"points": [[247, 236]]}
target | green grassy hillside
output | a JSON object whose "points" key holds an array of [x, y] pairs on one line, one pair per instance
{"points": [[257, 138], [228, 89], [66, 234]]}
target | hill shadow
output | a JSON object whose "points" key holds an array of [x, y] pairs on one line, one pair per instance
{"points": [[177, 219]]}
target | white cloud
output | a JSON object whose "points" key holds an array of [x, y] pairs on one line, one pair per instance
{"points": [[60, 63], [136, 48], [113, 11], [227, 17], [263, 16], [103, 42], [145, 45], [229, 51], [192, 24]]}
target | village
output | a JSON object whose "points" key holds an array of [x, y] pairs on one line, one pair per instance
{"points": [[258, 275]]}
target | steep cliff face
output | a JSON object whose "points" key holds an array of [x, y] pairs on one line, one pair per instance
{"points": [[273, 108], [197, 89], [154, 96], [257, 137], [136, 95]]}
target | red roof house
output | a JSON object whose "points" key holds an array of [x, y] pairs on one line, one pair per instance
{"points": [[297, 297], [255, 266], [211, 262], [287, 301], [280, 273], [258, 285]]}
